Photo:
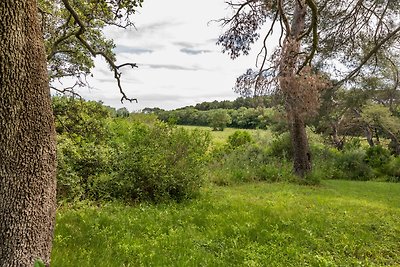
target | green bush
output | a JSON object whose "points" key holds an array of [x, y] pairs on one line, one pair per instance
{"points": [[281, 146], [79, 163], [392, 169], [239, 138], [377, 157], [160, 162], [248, 163], [351, 165]]}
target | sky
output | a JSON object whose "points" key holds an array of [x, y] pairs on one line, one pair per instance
{"points": [[174, 45]]}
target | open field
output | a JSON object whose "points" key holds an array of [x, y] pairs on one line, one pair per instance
{"points": [[220, 137], [340, 223]]}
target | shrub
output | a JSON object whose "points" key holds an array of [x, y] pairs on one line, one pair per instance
{"points": [[352, 144], [392, 169], [160, 162], [79, 161], [281, 146], [239, 138], [351, 165], [377, 156], [248, 163]]}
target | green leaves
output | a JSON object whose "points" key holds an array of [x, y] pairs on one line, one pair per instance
{"points": [[66, 54], [39, 263]]}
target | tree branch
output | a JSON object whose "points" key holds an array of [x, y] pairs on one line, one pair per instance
{"points": [[314, 28], [367, 57], [115, 68]]}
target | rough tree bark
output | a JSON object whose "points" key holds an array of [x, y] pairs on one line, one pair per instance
{"points": [[288, 69], [27, 139]]}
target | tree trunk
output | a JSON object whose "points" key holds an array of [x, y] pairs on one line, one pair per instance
{"points": [[288, 70], [335, 137], [27, 139], [368, 135], [301, 151]]}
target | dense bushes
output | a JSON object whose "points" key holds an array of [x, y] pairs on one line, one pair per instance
{"points": [[243, 159], [159, 162], [125, 158]]}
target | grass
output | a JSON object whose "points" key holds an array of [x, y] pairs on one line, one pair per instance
{"points": [[220, 137], [341, 223]]}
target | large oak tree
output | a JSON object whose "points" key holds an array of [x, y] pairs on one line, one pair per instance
{"points": [[66, 34]]}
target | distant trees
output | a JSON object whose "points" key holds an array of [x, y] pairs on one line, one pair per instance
{"points": [[245, 118], [219, 119], [122, 112]]}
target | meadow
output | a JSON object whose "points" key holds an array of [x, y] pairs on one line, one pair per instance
{"points": [[136, 191], [339, 223], [220, 137]]}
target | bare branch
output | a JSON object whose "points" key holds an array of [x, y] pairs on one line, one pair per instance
{"points": [[283, 17]]}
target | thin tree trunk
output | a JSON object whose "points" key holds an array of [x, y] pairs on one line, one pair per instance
{"points": [[301, 151], [27, 139], [335, 137], [369, 135]]}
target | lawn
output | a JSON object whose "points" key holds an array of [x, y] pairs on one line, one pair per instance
{"points": [[340, 223]]}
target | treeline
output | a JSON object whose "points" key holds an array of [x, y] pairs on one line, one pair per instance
{"points": [[240, 102], [343, 115], [244, 118], [243, 113]]}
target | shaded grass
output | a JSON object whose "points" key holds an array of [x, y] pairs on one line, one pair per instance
{"points": [[341, 223]]}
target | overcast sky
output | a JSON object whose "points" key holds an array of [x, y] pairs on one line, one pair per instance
{"points": [[174, 45]]}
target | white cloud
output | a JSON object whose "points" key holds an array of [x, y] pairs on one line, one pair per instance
{"points": [[174, 45]]}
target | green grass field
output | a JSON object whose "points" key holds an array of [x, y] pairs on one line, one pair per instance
{"points": [[340, 223], [220, 137]]}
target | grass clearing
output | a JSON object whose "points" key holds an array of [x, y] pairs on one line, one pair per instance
{"points": [[341, 223], [220, 137]]}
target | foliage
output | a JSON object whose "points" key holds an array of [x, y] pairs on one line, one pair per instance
{"points": [[352, 165], [73, 34], [246, 163], [239, 138], [281, 146], [219, 119], [377, 156], [314, 36], [243, 118], [81, 119], [128, 158], [392, 169], [159, 162]]}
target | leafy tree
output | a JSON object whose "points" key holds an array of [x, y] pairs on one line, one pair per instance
{"points": [[122, 112], [315, 35], [219, 118], [380, 117]]}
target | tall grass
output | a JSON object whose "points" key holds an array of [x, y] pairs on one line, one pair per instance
{"points": [[340, 223]]}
